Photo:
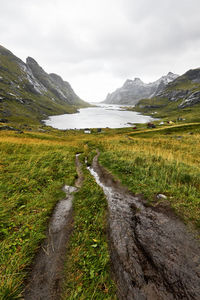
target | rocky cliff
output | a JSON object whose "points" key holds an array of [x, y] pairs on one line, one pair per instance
{"points": [[28, 92], [134, 90], [181, 96], [185, 88]]}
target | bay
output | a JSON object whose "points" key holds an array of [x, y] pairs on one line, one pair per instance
{"points": [[101, 116]]}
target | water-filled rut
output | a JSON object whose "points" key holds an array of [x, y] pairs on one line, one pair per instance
{"points": [[46, 276], [153, 254]]}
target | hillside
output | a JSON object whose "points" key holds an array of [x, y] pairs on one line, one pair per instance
{"points": [[180, 99], [138, 236], [134, 90], [29, 94]]}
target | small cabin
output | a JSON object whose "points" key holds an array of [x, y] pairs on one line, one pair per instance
{"points": [[87, 130]]}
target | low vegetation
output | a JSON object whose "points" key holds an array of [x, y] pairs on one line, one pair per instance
{"points": [[168, 110], [35, 165], [32, 174], [88, 265], [153, 162]]}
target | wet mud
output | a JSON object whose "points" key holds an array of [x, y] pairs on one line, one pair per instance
{"points": [[153, 254], [46, 275]]}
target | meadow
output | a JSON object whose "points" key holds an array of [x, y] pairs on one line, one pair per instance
{"points": [[32, 173], [154, 162], [35, 165]]}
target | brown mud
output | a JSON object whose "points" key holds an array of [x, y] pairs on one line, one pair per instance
{"points": [[153, 254], [45, 279]]}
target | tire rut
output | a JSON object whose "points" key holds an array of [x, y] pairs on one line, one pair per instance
{"points": [[153, 254], [46, 275]]}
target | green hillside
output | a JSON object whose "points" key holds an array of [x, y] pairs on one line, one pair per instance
{"points": [[28, 94], [179, 100]]}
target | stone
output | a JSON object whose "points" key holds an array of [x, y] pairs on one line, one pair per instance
{"points": [[192, 99], [161, 196]]}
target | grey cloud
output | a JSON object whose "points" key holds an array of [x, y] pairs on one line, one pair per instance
{"points": [[117, 38]]}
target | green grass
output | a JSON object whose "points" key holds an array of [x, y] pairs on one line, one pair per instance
{"points": [[162, 164], [87, 265], [176, 130], [168, 110], [31, 177], [35, 165]]}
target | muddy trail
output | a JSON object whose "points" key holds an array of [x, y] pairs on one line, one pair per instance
{"points": [[46, 275], [153, 254]]}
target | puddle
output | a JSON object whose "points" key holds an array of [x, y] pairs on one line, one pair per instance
{"points": [[62, 210]]}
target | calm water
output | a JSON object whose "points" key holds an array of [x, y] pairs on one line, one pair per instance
{"points": [[102, 116]]}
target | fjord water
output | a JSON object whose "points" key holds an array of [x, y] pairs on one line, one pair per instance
{"points": [[103, 115]]}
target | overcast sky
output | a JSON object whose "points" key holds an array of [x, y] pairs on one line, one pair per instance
{"points": [[97, 44]]}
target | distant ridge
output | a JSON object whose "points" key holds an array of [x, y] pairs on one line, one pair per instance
{"points": [[134, 90], [179, 99]]}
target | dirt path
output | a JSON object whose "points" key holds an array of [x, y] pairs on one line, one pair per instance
{"points": [[153, 254], [46, 276]]}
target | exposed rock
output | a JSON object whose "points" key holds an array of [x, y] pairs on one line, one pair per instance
{"points": [[161, 196], [8, 128], [174, 95], [29, 85], [54, 83], [185, 90], [134, 90], [193, 75], [191, 100]]}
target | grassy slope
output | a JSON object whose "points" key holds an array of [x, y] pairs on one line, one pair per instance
{"points": [[168, 110], [32, 174], [34, 166], [153, 162], [36, 107]]}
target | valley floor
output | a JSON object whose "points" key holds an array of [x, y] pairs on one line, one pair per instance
{"points": [[161, 165]]}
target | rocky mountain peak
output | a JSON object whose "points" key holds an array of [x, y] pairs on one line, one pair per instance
{"points": [[134, 90], [56, 78], [168, 78], [4, 51], [130, 83], [137, 80], [31, 61], [193, 75], [28, 85]]}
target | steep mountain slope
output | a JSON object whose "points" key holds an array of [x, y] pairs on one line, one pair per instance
{"points": [[27, 92], [180, 97], [134, 90]]}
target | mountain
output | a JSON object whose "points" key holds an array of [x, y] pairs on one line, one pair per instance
{"points": [[134, 90], [182, 96], [28, 93]]}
